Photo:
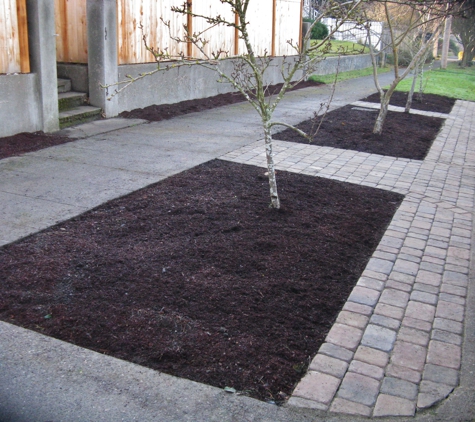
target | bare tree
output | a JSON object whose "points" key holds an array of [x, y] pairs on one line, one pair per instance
{"points": [[404, 19], [412, 45], [248, 75], [463, 27]]}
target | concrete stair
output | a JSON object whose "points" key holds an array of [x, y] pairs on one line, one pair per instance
{"points": [[73, 108]]}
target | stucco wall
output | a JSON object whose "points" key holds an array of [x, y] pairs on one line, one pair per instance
{"points": [[187, 83], [179, 84], [19, 99], [344, 64]]}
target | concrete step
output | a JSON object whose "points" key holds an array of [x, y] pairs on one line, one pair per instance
{"points": [[78, 115], [69, 100], [64, 85]]}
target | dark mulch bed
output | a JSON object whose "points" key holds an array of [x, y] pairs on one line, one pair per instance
{"points": [[156, 113], [197, 277], [349, 127], [428, 102], [21, 143]]}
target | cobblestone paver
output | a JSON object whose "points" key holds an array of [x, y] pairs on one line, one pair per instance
{"points": [[396, 345]]}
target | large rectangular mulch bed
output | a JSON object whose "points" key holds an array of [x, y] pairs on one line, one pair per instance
{"points": [[197, 277]]}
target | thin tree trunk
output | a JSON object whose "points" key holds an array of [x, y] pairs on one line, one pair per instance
{"points": [[383, 111], [421, 83], [411, 91], [274, 196]]}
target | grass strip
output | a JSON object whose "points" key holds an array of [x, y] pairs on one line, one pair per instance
{"points": [[453, 82], [343, 76]]}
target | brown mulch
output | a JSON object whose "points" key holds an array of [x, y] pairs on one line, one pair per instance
{"points": [[349, 127], [11, 146], [428, 102], [197, 277], [155, 113]]}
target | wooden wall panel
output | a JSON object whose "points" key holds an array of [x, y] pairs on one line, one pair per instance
{"points": [[132, 14], [9, 38], [71, 27], [259, 16], [23, 36], [221, 37], [287, 26]]}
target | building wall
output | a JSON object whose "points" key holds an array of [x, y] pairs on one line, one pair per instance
{"points": [[19, 99], [179, 84], [343, 64]]}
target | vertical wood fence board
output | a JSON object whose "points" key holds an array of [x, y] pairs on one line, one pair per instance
{"points": [[3, 39], [23, 36], [81, 30], [13, 47], [287, 26], [60, 25]]}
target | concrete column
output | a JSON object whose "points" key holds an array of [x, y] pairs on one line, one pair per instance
{"points": [[445, 45], [102, 54], [42, 40]]}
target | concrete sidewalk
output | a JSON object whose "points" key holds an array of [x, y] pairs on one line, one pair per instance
{"points": [[43, 379]]}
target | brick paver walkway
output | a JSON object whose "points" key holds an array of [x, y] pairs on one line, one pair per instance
{"points": [[396, 345]]}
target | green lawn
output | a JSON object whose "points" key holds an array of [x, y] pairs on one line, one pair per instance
{"points": [[343, 76], [453, 82]]}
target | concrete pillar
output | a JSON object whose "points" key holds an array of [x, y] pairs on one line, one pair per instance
{"points": [[102, 54], [445, 45], [42, 41]]}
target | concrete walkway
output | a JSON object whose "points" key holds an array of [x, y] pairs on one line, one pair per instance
{"points": [[398, 346]]}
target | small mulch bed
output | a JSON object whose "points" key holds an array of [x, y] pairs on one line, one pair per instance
{"points": [[21, 143], [155, 113], [349, 127], [197, 277], [428, 102]]}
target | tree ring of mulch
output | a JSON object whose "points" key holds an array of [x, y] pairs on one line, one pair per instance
{"points": [[424, 102], [197, 277]]}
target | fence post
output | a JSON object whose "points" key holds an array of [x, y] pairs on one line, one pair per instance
{"points": [[102, 53], [42, 41]]}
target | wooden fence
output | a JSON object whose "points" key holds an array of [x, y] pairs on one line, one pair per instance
{"points": [[271, 24], [14, 54], [71, 30], [134, 14]]}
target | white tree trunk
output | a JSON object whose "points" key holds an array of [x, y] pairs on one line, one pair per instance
{"points": [[383, 111], [411, 92], [274, 196]]}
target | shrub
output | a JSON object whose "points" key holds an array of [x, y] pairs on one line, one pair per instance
{"points": [[405, 58], [319, 31]]}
